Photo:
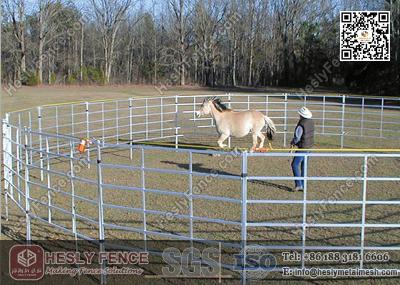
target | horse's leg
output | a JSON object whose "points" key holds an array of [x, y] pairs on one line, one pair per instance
{"points": [[221, 139], [262, 138], [253, 148]]}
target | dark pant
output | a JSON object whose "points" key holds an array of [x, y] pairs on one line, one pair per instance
{"points": [[298, 168]]}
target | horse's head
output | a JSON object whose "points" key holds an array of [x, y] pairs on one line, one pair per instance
{"points": [[205, 108]]}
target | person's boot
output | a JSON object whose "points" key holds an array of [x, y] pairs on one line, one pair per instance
{"points": [[298, 188]]}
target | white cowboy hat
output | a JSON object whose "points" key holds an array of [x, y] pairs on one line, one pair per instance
{"points": [[305, 113]]}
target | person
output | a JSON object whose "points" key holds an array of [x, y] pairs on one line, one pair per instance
{"points": [[304, 139]]}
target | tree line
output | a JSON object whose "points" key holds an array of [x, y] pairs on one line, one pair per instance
{"points": [[216, 43]]}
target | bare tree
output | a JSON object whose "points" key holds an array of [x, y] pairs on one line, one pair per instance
{"points": [[48, 10], [109, 15], [81, 54], [251, 37], [233, 37], [181, 12], [16, 10], [155, 45], [209, 29]]}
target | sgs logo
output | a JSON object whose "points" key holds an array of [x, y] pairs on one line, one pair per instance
{"points": [[191, 262]]}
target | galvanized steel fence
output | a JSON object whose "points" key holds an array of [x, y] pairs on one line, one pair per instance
{"points": [[35, 139]]}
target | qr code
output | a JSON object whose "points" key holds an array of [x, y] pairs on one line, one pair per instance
{"points": [[364, 36]]}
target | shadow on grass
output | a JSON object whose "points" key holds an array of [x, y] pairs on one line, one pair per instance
{"points": [[198, 167], [271, 184]]}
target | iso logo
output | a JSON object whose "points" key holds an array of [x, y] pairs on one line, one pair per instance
{"points": [[255, 263]]}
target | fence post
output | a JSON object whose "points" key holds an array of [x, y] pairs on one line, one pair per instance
{"points": [[27, 195], [323, 114], [6, 141], [18, 135], [72, 121], [100, 206], [244, 214], [364, 197], [362, 115], [382, 108], [147, 118], [161, 117], [101, 213], [19, 156], [48, 179], [57, 130], [87, 130], [116, 122], [143, 195], [285, 121], [39, 109], [87, 119], [194, 116], [130, 129], [30, 134], [304, 226], [7, 145], [103, 139], [8, 160], [191, 194], [342, 128], [19, 166], [100, 192], [229, 106], [176, 121], [72, 175], [6, 204]]}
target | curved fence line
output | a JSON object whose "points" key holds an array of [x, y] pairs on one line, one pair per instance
{"points": [[115, 118]]}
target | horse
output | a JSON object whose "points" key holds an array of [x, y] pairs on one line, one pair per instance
{"points": [[236, 123]]}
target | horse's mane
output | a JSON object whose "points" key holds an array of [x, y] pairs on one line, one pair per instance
{"points": [[219, 105]]}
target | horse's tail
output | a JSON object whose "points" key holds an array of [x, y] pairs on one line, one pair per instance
{"points": [[271, 129]]}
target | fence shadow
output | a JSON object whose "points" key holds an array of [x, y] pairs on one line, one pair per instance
{"points": [[271, 184], [198, 167]]}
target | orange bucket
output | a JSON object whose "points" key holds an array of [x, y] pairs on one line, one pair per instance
{"points": [[82, 146]]}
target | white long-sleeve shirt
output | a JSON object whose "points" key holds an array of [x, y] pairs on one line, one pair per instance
{"points": [[297, 135]]}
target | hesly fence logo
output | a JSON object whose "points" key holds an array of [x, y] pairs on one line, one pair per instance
{"points": [[26, 258], [255, 263], [26, 262]]}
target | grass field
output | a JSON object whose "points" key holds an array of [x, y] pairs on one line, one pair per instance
{"points": [[278, 190]]}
